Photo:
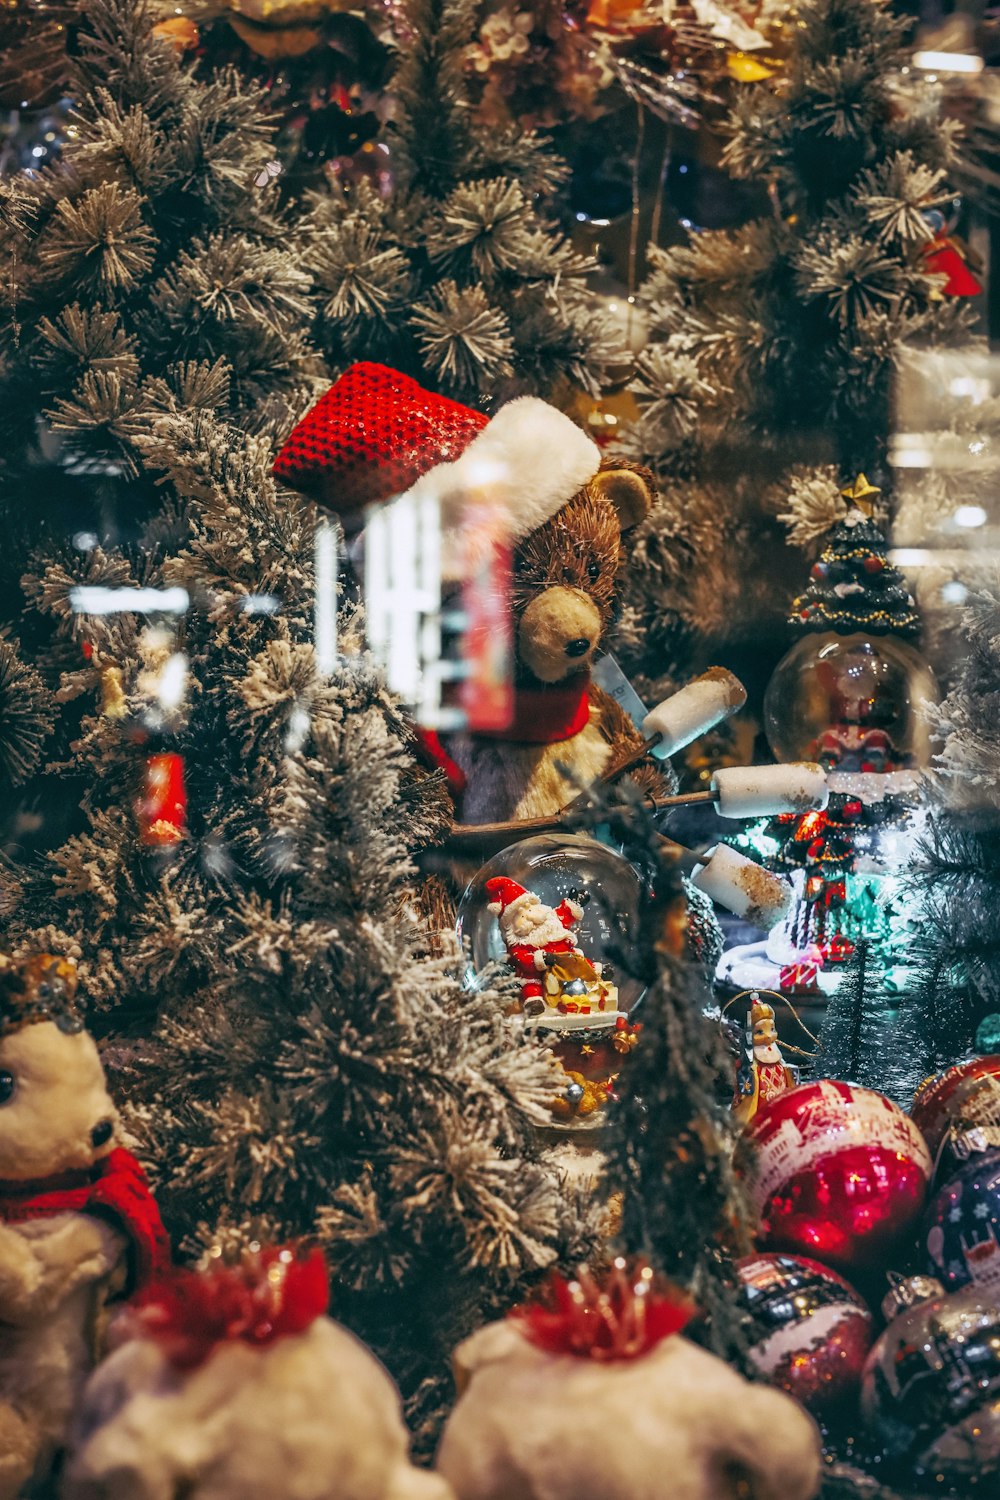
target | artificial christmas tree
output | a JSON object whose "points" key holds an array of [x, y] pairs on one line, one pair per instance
{"points": [[240, 895], [772, 346], [671, 1136], [460, 277]]}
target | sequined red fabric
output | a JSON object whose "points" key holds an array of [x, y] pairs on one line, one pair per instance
{"points": [[371, 437]]}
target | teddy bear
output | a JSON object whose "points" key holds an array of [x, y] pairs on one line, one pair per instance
{"points": [[78, 1224], [561, 511], [230, 1383], [593, 1393]]}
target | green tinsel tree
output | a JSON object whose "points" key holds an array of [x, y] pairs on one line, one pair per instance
{"points": [[768, 369], [290, 1058]]}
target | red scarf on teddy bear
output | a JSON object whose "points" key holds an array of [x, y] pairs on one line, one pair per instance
{"points": [[115, 1189]]}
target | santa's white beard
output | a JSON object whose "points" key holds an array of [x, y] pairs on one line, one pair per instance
{"points": [[536, 926], [765, 1056]]}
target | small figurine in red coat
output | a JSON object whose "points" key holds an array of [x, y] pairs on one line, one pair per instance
{"points": [[78, 1224], [546, 953]]}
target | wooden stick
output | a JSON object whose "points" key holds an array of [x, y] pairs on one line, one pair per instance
{"points": [[468, 835]]}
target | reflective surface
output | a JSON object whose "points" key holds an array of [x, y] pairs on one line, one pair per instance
{"points": [[552, 867], [853, 703]]}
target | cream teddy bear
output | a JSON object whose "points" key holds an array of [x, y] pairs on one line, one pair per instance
{"points": [[77, 1221], [232, 1384], [600, 1398]]}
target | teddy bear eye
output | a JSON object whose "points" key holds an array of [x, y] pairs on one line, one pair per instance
{"points": [[6, 1087]]}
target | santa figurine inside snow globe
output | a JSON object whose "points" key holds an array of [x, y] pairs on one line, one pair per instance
{"points": [[558, 911]]}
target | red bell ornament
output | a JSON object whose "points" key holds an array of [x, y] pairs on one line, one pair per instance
{"points": [[836, 1172]]}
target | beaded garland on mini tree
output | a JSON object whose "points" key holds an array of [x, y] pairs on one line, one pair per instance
{"points": [[854, 586]]}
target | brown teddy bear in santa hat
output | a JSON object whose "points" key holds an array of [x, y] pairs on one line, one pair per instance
{"points": [[565, 510]]}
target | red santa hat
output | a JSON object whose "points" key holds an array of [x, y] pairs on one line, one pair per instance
{"points": [[506, 894], [377, 434]]}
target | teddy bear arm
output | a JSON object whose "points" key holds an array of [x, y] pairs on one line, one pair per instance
{"points": [[621, 734], [37, 1272], [20, 1276]]}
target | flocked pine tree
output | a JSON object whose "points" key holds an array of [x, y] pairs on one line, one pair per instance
{"points": [[238, 899], [460, 277], [772, 346], [146, 272]]}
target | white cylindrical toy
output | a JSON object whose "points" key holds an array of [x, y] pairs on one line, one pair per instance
{"points": [[742, 887], [693, 710], [766, 791]]}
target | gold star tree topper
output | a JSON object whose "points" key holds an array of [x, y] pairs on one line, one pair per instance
{"points": [[861, 494]]}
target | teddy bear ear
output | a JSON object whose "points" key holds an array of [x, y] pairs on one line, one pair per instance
{"points": [[630, 489]]}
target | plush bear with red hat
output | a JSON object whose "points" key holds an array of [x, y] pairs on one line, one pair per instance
{"points": [[78, 1224], [567, 511]]}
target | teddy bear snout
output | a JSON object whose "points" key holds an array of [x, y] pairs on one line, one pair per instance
{"points": [[102, 1133], [557, 632]]}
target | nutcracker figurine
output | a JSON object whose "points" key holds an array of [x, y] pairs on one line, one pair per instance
{"points": [[762, 1072]]}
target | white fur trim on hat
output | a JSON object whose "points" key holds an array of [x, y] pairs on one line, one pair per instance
{"points": [[530, 459], [526, 898]]}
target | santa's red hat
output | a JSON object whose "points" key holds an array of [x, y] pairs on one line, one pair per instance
{"points": [[377, 434], [506, 893]]}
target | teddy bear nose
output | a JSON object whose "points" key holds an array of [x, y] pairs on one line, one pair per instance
{"points": [[579, 647], [101, 1133]]}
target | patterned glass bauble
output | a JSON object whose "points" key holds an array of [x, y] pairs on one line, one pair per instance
{"points": [[851, 702], [958, 1112], [554, 867], [835, 1171], [962, 1228], [930, 1392], [810, 1332]]}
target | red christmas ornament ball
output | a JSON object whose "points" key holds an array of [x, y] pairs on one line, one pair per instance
{"points": [[810, 1331], [964, 1100], [874, 564], [835, 1171]]}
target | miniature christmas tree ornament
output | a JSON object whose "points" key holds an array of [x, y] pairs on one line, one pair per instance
{"points": [[852, 695]]}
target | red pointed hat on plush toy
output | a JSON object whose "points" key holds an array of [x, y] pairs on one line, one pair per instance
{"points": [[377, 434]]}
